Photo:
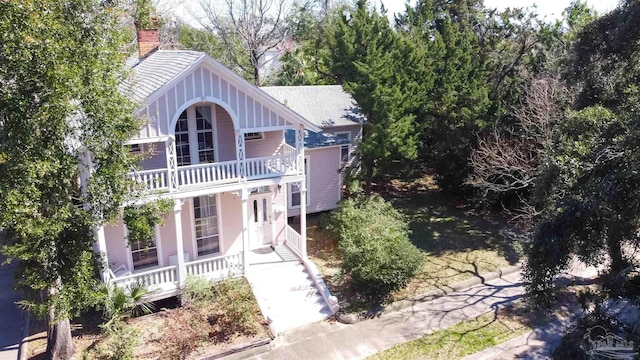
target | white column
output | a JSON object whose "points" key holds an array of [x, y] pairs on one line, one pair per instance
{"points": [[245, 230], [182, 269], [300, 149], [101, 243], [240, 155], [303, 217], [172, 168]]}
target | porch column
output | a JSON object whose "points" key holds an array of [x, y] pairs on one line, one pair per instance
{"points": [[182, 269], [172, 169], [101, 243], [240, 155], [303, 217], [300, 150], [245, 229]]}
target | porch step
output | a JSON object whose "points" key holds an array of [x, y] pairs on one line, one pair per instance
{"points": [[287, 296]]}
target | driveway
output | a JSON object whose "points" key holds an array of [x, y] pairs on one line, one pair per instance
{"points": [[10, 314]]}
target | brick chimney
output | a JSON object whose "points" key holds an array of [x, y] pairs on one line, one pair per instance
{"points": [[148, 39]]}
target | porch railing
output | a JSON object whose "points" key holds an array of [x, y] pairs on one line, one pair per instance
{"points": [[268, 166], [151, 179], [215, 173], [216, 267], [210, 173], [294, 240], [165, 277]]}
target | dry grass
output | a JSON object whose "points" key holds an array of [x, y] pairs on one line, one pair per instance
{"points": [[459, 243], [152, 338]]}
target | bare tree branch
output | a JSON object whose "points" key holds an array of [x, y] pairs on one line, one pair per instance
{"points": [[257, 26]]}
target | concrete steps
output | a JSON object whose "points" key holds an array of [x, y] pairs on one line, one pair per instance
{"points": [[287, 295]]}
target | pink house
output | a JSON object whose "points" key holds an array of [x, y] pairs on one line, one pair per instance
{"points": [[237, 163]]}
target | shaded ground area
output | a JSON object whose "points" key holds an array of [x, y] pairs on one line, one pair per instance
{"points": [[458, 242]]}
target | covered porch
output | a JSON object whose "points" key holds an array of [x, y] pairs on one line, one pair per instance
{"points": [[213, 236]]}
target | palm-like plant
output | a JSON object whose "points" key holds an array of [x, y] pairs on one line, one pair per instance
{"points": [[120, 303]]}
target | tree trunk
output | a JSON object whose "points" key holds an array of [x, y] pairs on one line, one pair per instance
{"points": [[59, 342], [618, 263]]}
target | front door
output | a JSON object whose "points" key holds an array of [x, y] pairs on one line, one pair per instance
{"points": [[260, 220]]}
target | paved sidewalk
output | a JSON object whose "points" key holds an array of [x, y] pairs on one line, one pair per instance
{"points": [[10, 314], [339, 341]]}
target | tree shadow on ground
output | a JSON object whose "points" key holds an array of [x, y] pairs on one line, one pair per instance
{"points": [[443, 224]]}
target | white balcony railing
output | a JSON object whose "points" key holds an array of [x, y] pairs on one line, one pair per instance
{"points": [[157, 180], [216, 267], [215, 173], [161, 279], [294, 240], [211, 173], [269, 166]]}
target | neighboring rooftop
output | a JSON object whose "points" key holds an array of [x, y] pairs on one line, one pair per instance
{"points": [[314, 139], [323, 105], [156, 70]]}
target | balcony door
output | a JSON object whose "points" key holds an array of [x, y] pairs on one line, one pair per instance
{"points": [[260, 229], [195, 136]]}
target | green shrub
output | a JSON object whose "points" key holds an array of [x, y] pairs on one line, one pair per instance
{"points": [[121, 339], [375, 246], [196, 289]]}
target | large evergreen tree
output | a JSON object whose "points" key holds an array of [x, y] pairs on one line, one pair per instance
{"points": [[62, 63], [385, 73]]}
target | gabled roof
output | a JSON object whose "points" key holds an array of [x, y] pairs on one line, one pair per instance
{"points": [[159, 69], [156, 70], [323, 105]]}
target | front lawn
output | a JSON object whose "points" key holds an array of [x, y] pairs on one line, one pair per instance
{"points": [[458, 242]]}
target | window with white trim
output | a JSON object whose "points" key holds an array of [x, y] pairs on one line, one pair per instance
{"points": [[253, 136], [183, 153], [204, 130], [344, 149], [206, 225], [294, 189], [136, 148], [144, 257]]}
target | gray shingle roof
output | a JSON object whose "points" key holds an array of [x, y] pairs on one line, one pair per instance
{"points": [[323, 105], [155, 71]]}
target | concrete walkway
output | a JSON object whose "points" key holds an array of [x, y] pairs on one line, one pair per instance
{"points": [[339, 341], [10, 314]]}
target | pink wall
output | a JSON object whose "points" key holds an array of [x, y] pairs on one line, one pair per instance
{"points": [[116, 250], [231, 222], [267, 146], [324, 180], [225, 135]]}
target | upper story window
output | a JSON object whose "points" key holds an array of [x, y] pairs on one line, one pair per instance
{"points": [[253, 136], [204, 129], [183, 153], [195, 136], [344, 149], [136, 148]]}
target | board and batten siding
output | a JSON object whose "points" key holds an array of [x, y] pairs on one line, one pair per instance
{"points": [[324, 184], [201, 85]]}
